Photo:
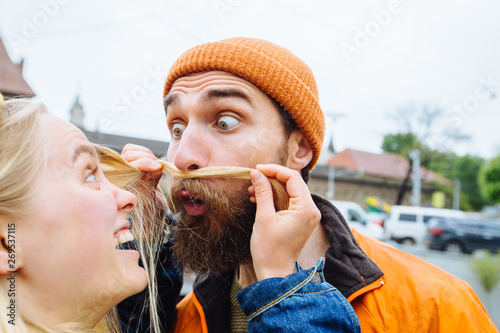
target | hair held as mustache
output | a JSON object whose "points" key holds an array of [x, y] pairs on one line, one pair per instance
{"points": [[122, 173]]}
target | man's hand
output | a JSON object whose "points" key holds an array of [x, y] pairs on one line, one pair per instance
{"points": [[279, 237]]}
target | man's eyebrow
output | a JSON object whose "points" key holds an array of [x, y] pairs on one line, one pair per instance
{"points": [[84, 149], [170, 100], [217, 93]]}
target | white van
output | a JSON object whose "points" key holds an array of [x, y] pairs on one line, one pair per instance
{"points": [[357, 218], [408, 224]]}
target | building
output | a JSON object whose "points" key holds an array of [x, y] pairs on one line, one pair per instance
{"points": [[116, 142], [359, 175], [12, 83]]}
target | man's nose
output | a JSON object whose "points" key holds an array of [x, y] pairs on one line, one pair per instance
{"points": [[192, 151]]}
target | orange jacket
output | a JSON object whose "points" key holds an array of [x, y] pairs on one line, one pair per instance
{"points": [[411, 296], [416, 296]]}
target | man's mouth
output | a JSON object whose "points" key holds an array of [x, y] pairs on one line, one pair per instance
{"points": [[193, 205]]}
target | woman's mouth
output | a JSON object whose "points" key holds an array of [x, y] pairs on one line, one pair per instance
{"points": [[122, 236], [193, 205]]}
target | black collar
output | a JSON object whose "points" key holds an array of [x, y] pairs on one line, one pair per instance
{"points": [[347, 267]]}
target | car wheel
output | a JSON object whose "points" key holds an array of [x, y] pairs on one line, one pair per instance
{"points": [[454, 247], [408, 241]]}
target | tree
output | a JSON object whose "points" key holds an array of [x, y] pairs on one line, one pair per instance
{"points": [[489, 180], [424, 129], [400, 143], [465, 168]]}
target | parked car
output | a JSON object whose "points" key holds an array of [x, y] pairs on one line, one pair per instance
{"points": [[377, 217], [463, 235], [408, 224], [356, 218]]}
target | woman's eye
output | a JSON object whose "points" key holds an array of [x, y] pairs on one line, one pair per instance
{"points": [[177, 130], [90, 178], [227, 122]]}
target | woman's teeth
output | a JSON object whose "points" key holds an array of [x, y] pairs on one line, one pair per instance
{"points": [[125, 236]]}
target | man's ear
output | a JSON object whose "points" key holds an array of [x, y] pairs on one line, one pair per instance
{"points": [[10, 259], [299, 151]]}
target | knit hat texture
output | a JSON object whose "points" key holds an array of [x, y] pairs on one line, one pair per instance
{"points": [[274, 69]]}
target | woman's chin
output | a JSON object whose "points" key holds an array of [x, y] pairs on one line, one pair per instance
{"points": [[137, 280], [134, 277]]}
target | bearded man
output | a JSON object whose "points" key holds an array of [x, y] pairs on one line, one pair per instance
{"points": [[250, 103]]}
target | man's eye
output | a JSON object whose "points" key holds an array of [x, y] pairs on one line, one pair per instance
{"points": [[90, 178], [177, 130], [227, 122]]}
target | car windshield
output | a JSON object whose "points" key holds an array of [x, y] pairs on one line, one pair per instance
{"points": [[355, 216]]}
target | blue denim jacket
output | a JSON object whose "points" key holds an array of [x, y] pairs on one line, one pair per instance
{"points": [[301, 302]]}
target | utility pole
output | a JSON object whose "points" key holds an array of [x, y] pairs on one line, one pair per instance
{"points": [[331, 182], [332, 117], [456, 193], [415, 196]]}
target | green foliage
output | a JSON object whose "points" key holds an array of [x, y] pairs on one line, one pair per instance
{"points": [[466, 168], [489, 180], [443, 163], [487, 269], [400, 143]]}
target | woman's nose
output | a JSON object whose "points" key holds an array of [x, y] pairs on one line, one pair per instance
{"points": [[126, 200]]}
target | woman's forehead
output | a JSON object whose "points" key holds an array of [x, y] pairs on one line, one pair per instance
{"points": [[63, 138]]}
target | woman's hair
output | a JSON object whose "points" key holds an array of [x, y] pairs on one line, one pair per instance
{"points": [[23, 154], [147, 221]]}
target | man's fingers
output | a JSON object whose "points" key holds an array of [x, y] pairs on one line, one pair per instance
{"points": [[263, 193], [295, 186]]}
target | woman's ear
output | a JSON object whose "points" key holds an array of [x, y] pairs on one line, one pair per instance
{"points": [[10, 260], [299, 151]]}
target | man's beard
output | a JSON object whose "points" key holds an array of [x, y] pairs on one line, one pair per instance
{"points": [[219, 240]]}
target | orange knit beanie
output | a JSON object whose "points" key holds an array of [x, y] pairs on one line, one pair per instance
{"points": [[273, 69]]}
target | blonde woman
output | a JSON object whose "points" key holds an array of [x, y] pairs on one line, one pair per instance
{"points": [[60, 223]]}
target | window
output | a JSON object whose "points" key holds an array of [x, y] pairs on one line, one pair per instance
{"points": [[427, 218], [355, 216], [408, 218]]}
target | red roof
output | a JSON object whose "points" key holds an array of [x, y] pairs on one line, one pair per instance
{"points": [[11, 76], [385, 165]]}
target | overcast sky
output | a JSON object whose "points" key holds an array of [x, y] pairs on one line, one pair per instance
{"points": [[369, 58]]}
